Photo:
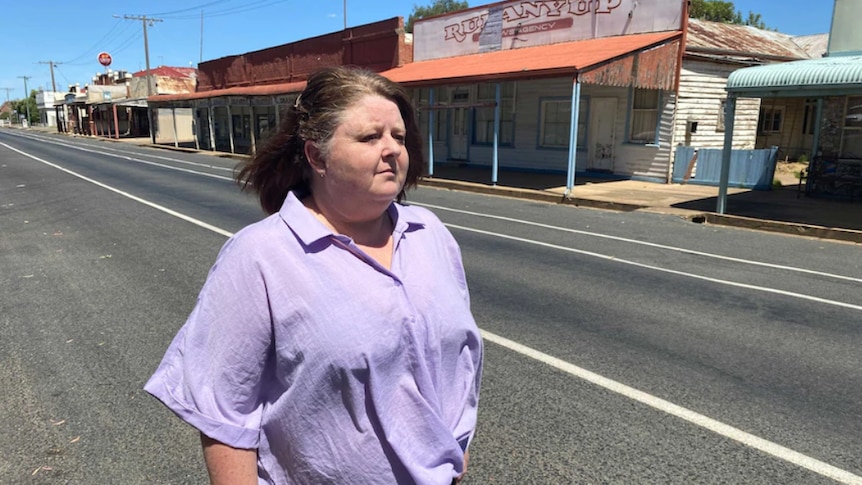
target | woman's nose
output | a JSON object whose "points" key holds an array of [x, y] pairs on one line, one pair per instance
{"points": [[392, 147]]}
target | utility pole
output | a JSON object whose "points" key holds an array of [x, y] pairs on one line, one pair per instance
{"points": [[53, 65], [144, 20], [26, 97]]}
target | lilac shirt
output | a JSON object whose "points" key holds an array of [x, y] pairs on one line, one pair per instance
{"points": [[336, 369]]}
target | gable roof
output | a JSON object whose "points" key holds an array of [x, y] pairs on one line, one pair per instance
{"points": [[740, 42]]}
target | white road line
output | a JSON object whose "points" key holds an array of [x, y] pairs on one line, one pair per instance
{"points": [[747, 439], [642, 243], [663, 270], [698, 419], [126, 194], [146, 162]]}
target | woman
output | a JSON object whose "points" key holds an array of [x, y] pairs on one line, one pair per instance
{"points": [[332, 341]]}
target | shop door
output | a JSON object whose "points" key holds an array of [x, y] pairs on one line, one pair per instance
{"points": [[603, 118], [458, 133]]}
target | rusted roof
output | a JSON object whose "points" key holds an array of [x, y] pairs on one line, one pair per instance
{"points": [[267, 90], [554, 59], [815, 45], [741, 41], [168, 71]]}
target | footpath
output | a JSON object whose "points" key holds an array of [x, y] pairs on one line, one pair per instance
{"points": [[783, 209]]}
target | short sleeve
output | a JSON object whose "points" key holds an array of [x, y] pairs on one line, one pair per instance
{"points": [[212, 375]]}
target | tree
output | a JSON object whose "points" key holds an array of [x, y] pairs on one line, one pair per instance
{"points": [[714, 10], [436, 8], [723, 11], [21, 105]]}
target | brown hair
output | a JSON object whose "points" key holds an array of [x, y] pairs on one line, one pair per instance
{"points": [[280, 165]]}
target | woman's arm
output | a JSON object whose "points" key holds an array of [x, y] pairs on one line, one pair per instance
{"points": [[229, 466]]}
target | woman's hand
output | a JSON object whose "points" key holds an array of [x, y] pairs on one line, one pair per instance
{"points": [[227, 465], [461, 476]]}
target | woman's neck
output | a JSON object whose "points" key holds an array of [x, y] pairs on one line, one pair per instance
{"points": [[371, 232]]}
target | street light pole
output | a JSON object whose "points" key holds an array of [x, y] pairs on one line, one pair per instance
{"points": [[26, 97]]}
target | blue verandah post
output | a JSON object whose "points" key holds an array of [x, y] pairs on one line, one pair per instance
{"points": [[573, 136]]}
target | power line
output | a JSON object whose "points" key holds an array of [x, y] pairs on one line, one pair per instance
{"points": [[162, 14], [96, 44], [232, 10], [53, 65]]}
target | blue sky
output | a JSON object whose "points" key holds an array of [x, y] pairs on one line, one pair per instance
{"points": [[51, 31]]}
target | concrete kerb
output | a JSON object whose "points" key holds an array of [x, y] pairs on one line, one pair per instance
{"points": [[796, 229], [819, 232], [529, 194]]}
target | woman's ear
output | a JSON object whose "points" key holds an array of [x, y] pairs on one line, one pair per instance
{"points": [[313, 155]]}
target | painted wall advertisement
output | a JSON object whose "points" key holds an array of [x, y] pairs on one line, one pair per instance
{"points": [[518, 24]]}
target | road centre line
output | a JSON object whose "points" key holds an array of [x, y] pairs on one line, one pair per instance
{"points": [[662, 405], [175, 160], [126, 194], [138, 160], [643, 243], [658, 268]]}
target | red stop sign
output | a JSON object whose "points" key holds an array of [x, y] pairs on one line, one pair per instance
{"points": [[105, 59]]}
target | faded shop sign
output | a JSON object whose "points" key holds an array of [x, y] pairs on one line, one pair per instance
{"points": [[516, 24]]}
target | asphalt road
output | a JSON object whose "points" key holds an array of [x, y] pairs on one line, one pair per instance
{"points": [[620, 347]]}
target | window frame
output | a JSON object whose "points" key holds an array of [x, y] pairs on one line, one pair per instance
{"points": [[583, 123], [634, 110], [485, 114], [768, 113]]}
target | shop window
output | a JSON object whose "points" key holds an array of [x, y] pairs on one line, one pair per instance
{"points": [[771, 120], [483, 119], [808, 118], [851, 136], [555, 122], [441, 98], [644, 116], [722, 112]]}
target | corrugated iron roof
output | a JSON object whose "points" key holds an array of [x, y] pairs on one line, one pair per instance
{"points": [[741, 41], [569, 57], [840, 74], [815, 45], [267, 90], [168, 71], [565, 58]]}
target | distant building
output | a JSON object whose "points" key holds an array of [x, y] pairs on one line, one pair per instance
{"points": [[46, 101], [173, 125]]}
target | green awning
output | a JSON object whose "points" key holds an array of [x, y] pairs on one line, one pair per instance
{"points": [[829, 76]]}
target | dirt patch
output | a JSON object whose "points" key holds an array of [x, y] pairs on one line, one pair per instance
{"points": [[787, 173]]}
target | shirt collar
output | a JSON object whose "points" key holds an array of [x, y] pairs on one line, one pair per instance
{"points": [[310, 230]]}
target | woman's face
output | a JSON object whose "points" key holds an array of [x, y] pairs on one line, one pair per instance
{"points": [[366, 159]]}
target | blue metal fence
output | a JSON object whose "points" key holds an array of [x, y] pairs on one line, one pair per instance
{"points": [[750, 169]]}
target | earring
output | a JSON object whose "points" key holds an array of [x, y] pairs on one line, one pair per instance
{"points": [[322, 173]]}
